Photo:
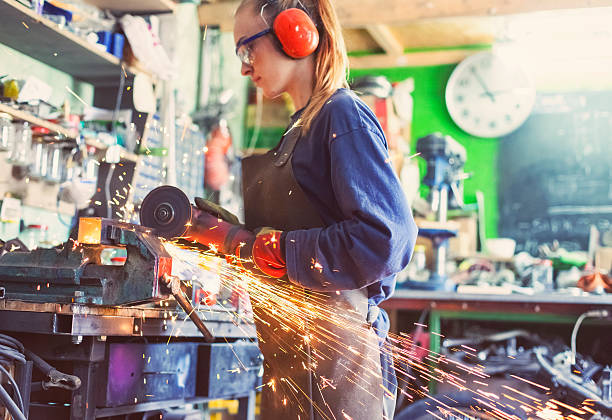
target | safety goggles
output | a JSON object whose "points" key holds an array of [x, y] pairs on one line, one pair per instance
{"points": [[243, 51]]}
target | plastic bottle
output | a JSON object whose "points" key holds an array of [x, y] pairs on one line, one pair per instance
{"points": [[547, 275]]}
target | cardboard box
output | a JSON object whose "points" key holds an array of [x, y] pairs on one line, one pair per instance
{"points": [[603, 259], [466, 241], [463, 245]]}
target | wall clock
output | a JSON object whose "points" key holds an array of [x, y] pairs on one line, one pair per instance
{"points": [[488, 96]]}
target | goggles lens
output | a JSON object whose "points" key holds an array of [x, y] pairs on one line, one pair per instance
{"points": [[244, 54], [243, 51]]}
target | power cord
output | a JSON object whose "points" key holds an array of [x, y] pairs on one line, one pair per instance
{"points": [[111, 170], [10, 405], [11, 351], [107, 194], [602, 313]]}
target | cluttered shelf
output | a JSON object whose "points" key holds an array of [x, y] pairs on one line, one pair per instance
{"points": [[40, 38], [124, 154], [56, 128], [32, 119]]}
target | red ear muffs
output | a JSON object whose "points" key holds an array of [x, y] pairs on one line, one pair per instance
{"points": [[296, 33]]}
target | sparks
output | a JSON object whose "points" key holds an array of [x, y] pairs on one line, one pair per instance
{"points": [[305, 315], [76, 96]]}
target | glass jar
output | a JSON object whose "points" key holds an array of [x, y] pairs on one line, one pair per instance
{"points": [[542, 278], [20, 155], [7, 132], [55, 163], [90, 165], [419, 258], [38, 168], [417, 268]]}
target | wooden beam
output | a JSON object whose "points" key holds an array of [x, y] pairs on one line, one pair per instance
{"points": [[416, 59], [218, 14], [359, 13], [385, 38], [363, 12]]}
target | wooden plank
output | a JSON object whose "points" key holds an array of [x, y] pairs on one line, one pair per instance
{"points": [[34, 120], [359, 13], [416, 59], [125, 155], [448, 32], [43, 40], [385, 38], [218, 14], [364, 12], [359, 40], [135, 6]]}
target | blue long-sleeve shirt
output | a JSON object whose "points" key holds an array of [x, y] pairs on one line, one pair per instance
{"points": [[343, 166]]}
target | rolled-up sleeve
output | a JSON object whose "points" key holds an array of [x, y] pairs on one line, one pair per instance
{"points": [[376, 237]]}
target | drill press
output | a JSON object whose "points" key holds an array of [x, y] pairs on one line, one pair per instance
{"points": [[445, 159]]}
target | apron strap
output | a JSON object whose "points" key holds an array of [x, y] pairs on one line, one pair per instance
{"points": [[290, 139]]}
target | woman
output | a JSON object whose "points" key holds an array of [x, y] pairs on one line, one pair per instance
{"points": [[341, 228]]}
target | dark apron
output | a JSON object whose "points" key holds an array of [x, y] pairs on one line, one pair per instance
{"points": [[344, 356]]}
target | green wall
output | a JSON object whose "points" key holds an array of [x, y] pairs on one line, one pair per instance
{"points": [[430, 115]]}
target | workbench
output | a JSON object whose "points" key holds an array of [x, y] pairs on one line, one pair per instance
{"points": [[106, 348], [539, 308]]}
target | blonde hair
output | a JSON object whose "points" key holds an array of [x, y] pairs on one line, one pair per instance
{"points": [[331, 61]]}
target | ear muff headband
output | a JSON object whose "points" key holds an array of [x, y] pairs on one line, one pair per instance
{"points": [[296, 33]]}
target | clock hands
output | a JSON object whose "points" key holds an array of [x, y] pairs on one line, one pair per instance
{"points": [[487, 92], [513, 90]]}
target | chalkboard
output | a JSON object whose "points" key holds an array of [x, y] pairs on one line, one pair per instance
{"points": [[555, 172]]}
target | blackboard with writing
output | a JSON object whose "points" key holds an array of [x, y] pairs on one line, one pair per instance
{"points": [[555, 172]]}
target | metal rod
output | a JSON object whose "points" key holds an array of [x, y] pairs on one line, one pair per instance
{"points": [[443, 203], [173, 283], [440, 251]]}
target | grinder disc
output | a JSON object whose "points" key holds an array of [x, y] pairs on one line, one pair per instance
{"points": [[167, 210]]}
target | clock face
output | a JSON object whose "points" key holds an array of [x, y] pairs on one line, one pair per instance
{"points": [[489, 97]]}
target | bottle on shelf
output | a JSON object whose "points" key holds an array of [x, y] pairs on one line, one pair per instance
{"points": [[7, 132], [21, 152]]}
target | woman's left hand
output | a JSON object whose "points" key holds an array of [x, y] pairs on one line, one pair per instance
{"points": [[267, 253]]}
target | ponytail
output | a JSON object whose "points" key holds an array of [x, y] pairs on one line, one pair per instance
{"points": [[331, 61]]}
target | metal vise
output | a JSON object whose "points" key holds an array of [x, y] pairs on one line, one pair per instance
{"points": [[76, 273]]}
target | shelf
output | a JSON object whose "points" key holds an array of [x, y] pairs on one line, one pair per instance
{"points": [[43, 40], [433, 224], [125, 155], [135, 6], [26, 116], [55, 128], [34, 193], [481, 256]]}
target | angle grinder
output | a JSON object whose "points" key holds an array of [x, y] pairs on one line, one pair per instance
{"points": [[167, 210]]}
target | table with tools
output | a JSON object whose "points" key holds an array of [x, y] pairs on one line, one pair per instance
{"points": [[106, 337]]}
